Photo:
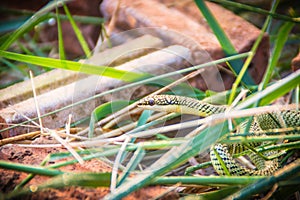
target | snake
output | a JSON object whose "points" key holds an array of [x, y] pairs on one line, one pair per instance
{"points": [[224, 152]]}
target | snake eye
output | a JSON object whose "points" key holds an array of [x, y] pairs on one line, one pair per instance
{"points": [[151, 102]]}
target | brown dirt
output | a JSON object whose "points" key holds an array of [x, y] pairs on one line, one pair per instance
{"points": [[34, 156]]}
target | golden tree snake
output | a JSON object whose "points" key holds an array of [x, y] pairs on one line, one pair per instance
{"points": [[221, 152]]}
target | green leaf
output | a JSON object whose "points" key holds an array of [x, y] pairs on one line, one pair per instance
{"points": [[78, 33], [75, 66], [227, 47], [67, 180]]}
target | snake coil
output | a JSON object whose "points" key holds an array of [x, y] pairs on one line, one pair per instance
{"points": [[273, 120]]}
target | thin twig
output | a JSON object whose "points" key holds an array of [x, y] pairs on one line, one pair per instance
{"points": [[13, 139], [36, 102], [59, 139], [66, 145], [128, 127]]}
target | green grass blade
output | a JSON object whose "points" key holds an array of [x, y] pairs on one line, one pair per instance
{"points": [[153, 123], [61, 48], [78, 33], [133, 163], [110, 152], [29, 169], [272, 92], [74, 66], [144, 117], [13, 66], [31, 176], [99, 70], [222, 193], [206, 180], [67, 180], [278, 47], [80, 179], [35, 48], [227, 47], [297, 95], [77, 18], [191, 169], [35, 19], [257, 10], [24, 48], [172, 159], [250, 57], [141, 123], [223, 165]]}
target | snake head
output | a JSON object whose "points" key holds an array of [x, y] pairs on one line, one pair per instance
{"points": [[159, 100], [167, 103], [146, 102]]}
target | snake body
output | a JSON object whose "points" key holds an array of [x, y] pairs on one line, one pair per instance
{"points": [[273, 120]]}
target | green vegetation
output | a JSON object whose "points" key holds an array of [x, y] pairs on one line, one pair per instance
{"points": [[129, 147]]}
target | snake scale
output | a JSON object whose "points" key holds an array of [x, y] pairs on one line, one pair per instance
{"points": [[272, 120]]}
